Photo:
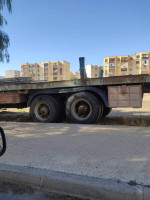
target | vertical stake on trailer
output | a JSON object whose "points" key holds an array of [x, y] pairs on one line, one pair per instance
{"points": [[82, 71]]}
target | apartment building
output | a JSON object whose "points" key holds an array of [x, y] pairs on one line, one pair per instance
{"points": [[143, 63], [93, 71], [46, 71], [74, 75], [55, 70], [12, 73], [139, 63], [32, 70]]}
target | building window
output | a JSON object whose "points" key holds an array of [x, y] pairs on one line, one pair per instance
{"points": [[55, 78], [144, 67], [145, 56], [144, 61], [95, 75], [45, 64], [112, 64], [125, 59], [106, 60], [137, 56], [123, 69], [60, 71], [137, 62], [112, 60], [55, 71]]}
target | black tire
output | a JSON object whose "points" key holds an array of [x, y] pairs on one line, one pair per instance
{"points": [[101, 110], [106, 111], [82, 108], [44, 109]]}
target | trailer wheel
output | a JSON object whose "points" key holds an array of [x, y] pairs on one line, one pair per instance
{"points": [[82, 108], [101, 110], [44, 109], [106, 111]]}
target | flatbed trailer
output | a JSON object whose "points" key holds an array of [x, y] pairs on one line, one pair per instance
{"points": [[77, 101]]}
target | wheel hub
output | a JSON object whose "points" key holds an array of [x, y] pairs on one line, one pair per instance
{"points": [[82, 109], [42, 111]]}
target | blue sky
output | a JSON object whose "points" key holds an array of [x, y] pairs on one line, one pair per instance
{"points": [[47, 30]]}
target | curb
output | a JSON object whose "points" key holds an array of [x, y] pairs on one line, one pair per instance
{"points": [[71, 184]]}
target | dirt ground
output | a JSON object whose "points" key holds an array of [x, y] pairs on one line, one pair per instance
{"points": [[118, 116]]}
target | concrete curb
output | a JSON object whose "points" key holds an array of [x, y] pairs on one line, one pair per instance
{"points": [[77, 185]]}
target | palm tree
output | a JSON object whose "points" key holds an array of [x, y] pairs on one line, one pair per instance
{"points": [[4, 39]]}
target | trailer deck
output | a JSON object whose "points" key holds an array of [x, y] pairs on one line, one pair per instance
{"points": [[105, 81]]}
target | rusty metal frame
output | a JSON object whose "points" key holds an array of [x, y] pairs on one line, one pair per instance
{"points": [[105, 81]]}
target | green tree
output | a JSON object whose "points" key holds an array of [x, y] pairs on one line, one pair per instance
{"points": [[72, 77], [4, 38]]}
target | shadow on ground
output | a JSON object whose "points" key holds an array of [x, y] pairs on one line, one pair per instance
{"points": [[116, 118]]}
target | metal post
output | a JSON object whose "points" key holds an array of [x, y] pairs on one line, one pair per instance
{"points": [[82, 70]]}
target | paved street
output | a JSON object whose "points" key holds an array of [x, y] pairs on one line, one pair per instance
{"points": [[110, 152]]}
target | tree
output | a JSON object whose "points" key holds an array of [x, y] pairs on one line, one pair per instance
{"points": [[72, 76], [4, 38]]}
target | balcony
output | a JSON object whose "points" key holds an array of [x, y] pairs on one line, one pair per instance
{"points": [[145, 56], [124, 69], [111, 69], [112, 60], [138, 57], [111, 64], [124, 59], [144, 72]]}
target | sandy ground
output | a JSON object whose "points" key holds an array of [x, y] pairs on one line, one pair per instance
{"points": [[118, 116]]}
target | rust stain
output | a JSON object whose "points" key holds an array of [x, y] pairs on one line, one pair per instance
{"points": [[12, 97]]}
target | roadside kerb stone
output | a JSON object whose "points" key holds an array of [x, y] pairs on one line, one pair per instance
{"points": [[76, 185]]}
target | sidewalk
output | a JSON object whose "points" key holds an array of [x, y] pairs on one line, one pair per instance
{"points": [[94, 161]]}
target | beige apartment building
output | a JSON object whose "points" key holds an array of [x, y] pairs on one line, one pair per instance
{"points": [[139, 63], [55, 70], [12, 73], [46, 71], [32, 70]]}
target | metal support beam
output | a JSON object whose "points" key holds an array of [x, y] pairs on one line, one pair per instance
{"points": [[82, 71]]}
